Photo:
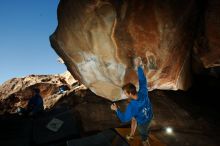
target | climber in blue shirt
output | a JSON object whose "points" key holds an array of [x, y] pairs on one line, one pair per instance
{"points": [[139, 107]]}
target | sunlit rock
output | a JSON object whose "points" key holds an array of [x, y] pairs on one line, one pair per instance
{"points": [[98, 40], [15, 93]]}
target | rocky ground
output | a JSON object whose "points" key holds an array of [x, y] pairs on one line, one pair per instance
{"points": [[193, 115]]}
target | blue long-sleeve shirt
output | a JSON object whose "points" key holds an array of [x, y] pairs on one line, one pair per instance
{"points": [[35, 104], [141, 108]]}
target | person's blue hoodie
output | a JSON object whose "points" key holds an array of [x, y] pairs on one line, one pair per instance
{"points": [[141, 108], [35, 104]]}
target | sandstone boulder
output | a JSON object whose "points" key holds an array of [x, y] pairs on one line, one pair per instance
{"points": [[98, 40]]}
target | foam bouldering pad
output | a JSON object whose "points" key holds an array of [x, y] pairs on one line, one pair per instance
{"points": [[64, 125]]}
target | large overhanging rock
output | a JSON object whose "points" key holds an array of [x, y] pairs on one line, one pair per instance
{"points": [[98, 40]]}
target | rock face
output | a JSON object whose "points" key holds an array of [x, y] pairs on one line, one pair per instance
{"points": [[16, 92], [92, 111], [98, 40], [207, 44]]}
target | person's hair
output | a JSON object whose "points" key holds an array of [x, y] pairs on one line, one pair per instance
{"points": [[36, 90], [129, 88]]}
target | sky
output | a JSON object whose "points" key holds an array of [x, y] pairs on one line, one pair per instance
{"points": [[25, 27]]}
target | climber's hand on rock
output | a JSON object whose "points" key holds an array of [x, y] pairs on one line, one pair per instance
{"points": [[137, 62], [114, 107]]}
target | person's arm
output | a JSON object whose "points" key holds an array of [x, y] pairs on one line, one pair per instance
{"points": [[126, 116], [30, 103], [142, 79]]}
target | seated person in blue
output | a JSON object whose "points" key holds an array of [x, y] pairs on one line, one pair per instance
{"points": [[34, 106]]}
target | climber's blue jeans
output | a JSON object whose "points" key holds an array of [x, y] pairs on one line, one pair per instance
{"points": [[144, 130]]}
